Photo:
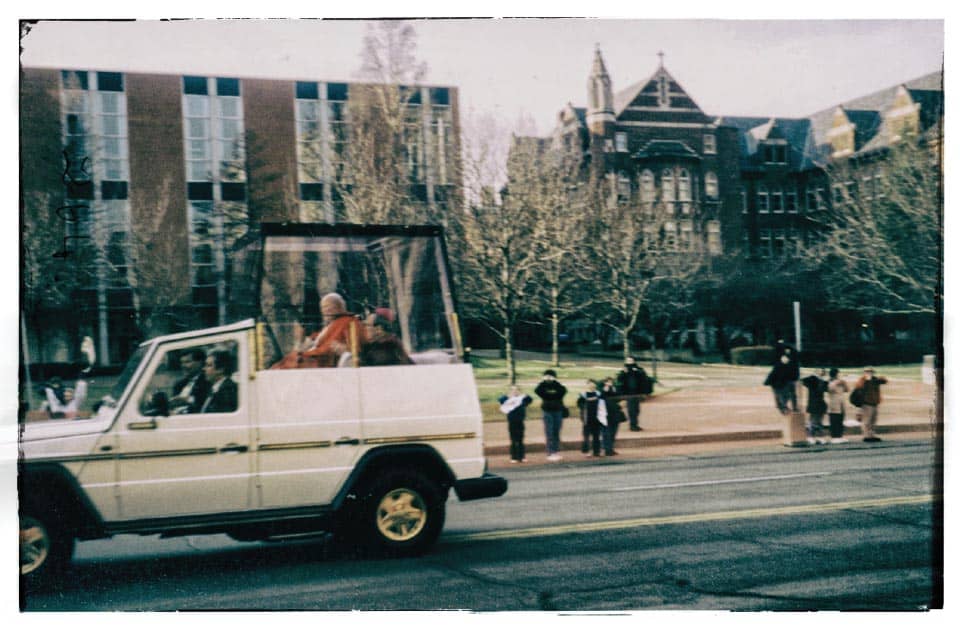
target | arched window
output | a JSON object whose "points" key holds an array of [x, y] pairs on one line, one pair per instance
{"points": [[711, 187], [668, 192], [647, 187]]}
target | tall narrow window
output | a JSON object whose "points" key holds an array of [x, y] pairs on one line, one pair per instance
{"points": [[623, 189], [709, 144], [215, 163], [620, 139], [776, 201], [667, 191], [648, 190], [763, 200], [711, 186], [714, 245], [685, 190]]}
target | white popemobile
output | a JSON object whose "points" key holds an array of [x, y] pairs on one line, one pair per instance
{"points": [[365, 452]]}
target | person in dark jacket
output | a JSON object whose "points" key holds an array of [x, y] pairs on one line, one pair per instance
{"points": [[816, 387], [223, 390], [514, 406], [551, 393], [590, 404], [783, 376], [190, 391], [615, 415], [632, 384], [870, 383]]}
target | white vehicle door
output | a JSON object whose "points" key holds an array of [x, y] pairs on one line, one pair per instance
{"points": [[309, 434], [194, 456]]}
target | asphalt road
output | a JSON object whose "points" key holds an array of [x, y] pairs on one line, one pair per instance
{"points": [[847, 527]]}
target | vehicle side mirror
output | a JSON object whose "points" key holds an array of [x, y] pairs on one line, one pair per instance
{"points": [[159, 404]]}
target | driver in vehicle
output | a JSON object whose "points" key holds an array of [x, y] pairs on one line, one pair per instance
{"points": [[190, 392], [325, 347]]}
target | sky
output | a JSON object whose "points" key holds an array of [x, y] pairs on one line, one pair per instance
{"points": [[531, 68]]}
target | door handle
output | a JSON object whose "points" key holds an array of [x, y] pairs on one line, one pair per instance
{"points": [[233, 447], [346, 441], [145, 425]]}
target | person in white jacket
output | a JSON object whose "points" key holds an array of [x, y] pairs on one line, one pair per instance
{"points": [[73, 399], [836, 392]]}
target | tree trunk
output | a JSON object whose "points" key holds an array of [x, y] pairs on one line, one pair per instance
{"points": [[508, 353], [626, 344]]}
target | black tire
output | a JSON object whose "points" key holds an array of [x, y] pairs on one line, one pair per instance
{"points": [[400, 514], [45, 547]]}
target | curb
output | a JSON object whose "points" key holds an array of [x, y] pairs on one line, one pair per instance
{"points": [[712, 437]]}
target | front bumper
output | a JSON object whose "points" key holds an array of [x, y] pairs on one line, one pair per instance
{"points": [[486, 486]]}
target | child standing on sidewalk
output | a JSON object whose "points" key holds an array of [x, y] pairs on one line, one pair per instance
{"points": [[514, 406], [589, 404]]}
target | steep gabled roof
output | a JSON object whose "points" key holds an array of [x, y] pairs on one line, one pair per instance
{"points": [[638, 93]]}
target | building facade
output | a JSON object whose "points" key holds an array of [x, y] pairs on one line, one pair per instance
{"points": [[146, 181], [736, 183], [757, 188]]}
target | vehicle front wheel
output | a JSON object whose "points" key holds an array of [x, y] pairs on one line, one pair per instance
{"points": [[44, 549], [401, 514]]}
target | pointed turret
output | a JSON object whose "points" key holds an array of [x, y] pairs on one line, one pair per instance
{"points": [[599, 97]]}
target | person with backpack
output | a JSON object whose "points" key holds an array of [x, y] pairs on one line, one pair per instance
{"points": [[633, 384], [611, 400], [868, 387]]}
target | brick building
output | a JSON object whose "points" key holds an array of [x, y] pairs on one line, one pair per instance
{"points": [[164, 172], [739, 185]]}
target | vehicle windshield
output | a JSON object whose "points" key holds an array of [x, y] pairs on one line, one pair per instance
{"points": [[395, 279], [124, 379]]}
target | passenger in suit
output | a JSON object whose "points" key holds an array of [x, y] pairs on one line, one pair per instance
{"points": [[223, 390], [190, 392]]}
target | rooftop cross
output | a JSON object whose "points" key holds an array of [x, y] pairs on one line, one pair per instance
{"points": [[660, 54]]}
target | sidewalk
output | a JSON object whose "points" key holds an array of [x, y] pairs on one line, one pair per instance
{"points": [[699, 420]]}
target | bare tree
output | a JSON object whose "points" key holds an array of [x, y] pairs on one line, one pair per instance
{"points": [[642, 251], [547, 180], [497, 262], [882, 248]]}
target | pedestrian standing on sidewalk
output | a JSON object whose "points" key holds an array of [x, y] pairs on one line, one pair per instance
{"points": [[614, 416], [632, 384], [551, 393], [514, 406], [869, 384], [816, 406], [590, 403], [836, 392], [783, 377]]}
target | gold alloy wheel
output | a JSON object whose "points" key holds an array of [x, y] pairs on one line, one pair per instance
{"points": [[401, 515], [34, 544]]}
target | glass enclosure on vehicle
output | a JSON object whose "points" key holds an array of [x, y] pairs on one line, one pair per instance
{"points": [[397, 302]]}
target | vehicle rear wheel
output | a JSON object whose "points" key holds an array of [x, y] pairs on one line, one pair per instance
{"points": [[401, 514], [45, 550]]}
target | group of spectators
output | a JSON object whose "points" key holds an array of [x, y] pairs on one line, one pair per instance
{"points": [[600, 407], [825, 397]]}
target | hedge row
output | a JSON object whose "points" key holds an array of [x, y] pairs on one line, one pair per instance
{"points": [[836, 355]]}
